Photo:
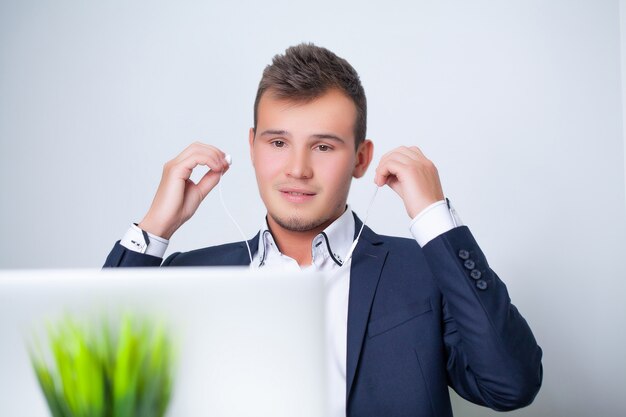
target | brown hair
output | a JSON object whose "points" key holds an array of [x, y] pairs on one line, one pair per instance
{"points": [[305, 72]]}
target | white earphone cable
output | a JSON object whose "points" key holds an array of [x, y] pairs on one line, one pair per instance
{"points": [[356, 241], [219, 191]]}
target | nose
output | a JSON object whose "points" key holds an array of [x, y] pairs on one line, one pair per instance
{"points": [[299, 165]]}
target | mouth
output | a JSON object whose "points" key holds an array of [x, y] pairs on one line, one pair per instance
{"points": [[297, 195], [296, 191]]}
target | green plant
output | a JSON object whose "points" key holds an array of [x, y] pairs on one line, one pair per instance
{"points": [[98, 371]]}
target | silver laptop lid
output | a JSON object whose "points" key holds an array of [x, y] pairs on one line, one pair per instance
{"points": [[249, 343]]}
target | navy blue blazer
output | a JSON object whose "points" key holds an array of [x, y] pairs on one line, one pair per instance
{"points": [[419, 320]]}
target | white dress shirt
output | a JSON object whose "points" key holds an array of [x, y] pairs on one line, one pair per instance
{"points": [[328, 250]]}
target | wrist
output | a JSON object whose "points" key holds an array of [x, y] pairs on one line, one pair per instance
{"points": [[156, 228], [417, 208]]}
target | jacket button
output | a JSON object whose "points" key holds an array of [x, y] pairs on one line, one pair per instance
{"points": [[482, 285], [469, 264], [463, 254], [475, 274]]}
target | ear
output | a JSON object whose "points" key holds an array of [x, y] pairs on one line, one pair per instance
{"points": [[364, 155], [251, 143]]}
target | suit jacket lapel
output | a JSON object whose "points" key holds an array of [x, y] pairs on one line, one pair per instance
{"points": [[367, 263]]}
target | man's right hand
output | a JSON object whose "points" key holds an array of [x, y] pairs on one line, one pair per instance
{"points": [[178, 197]]}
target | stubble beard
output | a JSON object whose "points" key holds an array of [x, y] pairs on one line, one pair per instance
{"points": [[299, 224]]}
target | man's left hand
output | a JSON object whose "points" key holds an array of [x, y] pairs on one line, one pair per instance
{"points": [[412, 176]]}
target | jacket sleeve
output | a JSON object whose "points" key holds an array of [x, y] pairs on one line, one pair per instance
{"points": [[122, 257], [492, 356]]}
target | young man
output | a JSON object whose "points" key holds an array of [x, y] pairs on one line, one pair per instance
{"points": [[410, 317]]}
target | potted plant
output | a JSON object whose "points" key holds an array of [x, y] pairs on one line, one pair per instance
{"points": [[100, 370]]}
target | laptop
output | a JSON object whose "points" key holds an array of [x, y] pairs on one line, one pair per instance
{"points": [[248, 343]]}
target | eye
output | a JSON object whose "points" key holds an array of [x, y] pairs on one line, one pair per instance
{"points": [[324, 148], [278, 143]]}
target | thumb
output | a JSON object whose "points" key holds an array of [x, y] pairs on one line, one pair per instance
{"points": [[394, 183], [208, 182]]}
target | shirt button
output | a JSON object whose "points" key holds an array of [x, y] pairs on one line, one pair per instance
{"points": [[469, 264], [482, 285], [463, 254], [475, 274]]}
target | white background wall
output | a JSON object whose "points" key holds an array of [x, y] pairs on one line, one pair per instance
{"points": [[519, 104]]}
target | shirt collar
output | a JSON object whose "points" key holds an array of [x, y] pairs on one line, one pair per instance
{"points": [[332, 243]]}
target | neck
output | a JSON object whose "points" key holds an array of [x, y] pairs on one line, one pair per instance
{"points": [[296, 245]]}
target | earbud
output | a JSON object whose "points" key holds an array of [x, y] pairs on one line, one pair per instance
{"points": [[229, 159]]}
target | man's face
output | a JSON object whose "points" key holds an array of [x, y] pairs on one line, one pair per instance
{"points": [[304, 159]]}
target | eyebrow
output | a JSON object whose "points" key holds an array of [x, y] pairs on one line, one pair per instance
{"points": [[326, 136], [275, 132]]}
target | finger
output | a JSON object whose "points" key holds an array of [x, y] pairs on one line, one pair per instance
{"points": [[381, 174], [215, 152], [199, 147], [417, 150], [392, 155], [209, 181], [409, 156], [185, 167], [390, 180], [413, 152], [403, 158], [390, 167]]}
